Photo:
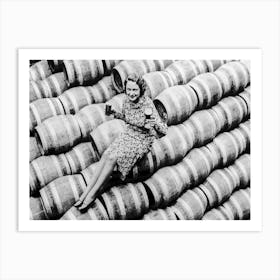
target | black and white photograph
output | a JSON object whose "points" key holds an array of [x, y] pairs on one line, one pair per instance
{"points": [[139, 139]]}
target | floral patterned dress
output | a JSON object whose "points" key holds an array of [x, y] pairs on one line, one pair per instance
{"points": [[136, 140]]}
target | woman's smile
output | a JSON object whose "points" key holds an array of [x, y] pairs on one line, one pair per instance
{"points": [[132, 91]]}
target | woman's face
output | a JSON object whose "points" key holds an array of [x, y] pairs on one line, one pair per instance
{"points": [[132, 91]]}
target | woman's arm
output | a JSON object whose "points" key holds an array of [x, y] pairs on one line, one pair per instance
{"points": [[159, 125], [118, 115]]}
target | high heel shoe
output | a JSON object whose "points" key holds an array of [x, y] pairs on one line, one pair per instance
{"points": [[83, 207], [78, 203]]}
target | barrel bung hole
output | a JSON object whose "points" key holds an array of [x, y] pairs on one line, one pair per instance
{"points": [[117, 80], [161, 110]]}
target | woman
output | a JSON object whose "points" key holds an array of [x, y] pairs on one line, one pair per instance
{"points": [[143, 126]]}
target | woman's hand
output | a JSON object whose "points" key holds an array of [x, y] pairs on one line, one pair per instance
{"points": [[149, 123]]}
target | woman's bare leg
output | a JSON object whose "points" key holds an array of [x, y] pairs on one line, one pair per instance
{"points": [[92, 181], [100, 183]]}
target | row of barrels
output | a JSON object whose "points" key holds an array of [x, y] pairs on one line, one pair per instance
{"points": [[70, 101], [74, 99], [51, 78], [121, 201], [200, 128], [177, 103], [237, 207], [214, 191], [240, 109], [94, 115], [165, 186]]}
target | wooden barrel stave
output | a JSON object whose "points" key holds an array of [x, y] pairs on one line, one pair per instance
{"points": [[34, 149], [37, 211]]}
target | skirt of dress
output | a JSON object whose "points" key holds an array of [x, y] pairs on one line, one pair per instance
{"points": [[129, 147]]}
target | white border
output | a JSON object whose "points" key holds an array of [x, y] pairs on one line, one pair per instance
{"points": [[254, 55]]}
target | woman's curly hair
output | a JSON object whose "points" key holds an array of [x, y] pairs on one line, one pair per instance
{"points": [[138, 80]]}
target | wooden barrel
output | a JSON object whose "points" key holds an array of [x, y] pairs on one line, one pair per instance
{"points": [[42, 109], [103, 90], [95, 212], [166, 185], [234, 77], [88, 172], [52, 86], [37, 211], [105, 134], [207, 88], [198, 164], [56, 65], [205, 125], [81, 156], [232, 110], [241, 170], [34, 149], [109, 65], [213, 65], [230, 145], [160, 214], [182, 71], [237, 207], [126, 202], [82, 72], [39, 71], [140, 67], [90, 117], [218, 186], [177, 102], [58, 134], [156, 82], [191, 205], [59, 195], [171, 148], [74, 99], [45, 169]]}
